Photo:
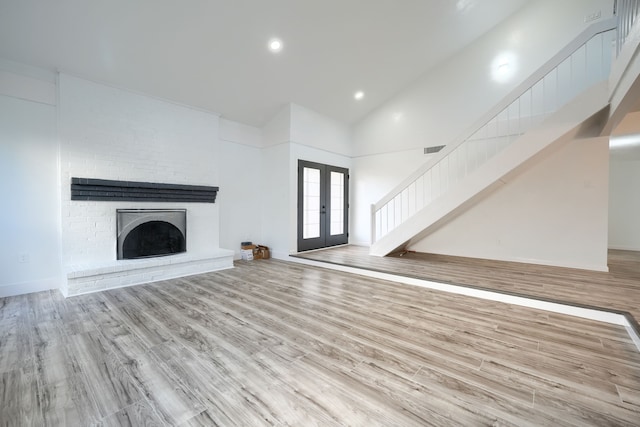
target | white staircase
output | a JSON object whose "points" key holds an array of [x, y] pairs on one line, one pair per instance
{"points": [[566, 99], [584, 117]]}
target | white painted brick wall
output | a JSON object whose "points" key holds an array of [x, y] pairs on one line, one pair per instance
{"points": [[108, 133]]}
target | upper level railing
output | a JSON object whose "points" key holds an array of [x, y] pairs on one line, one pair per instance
{"points": [[578, 66], [626, 12]]}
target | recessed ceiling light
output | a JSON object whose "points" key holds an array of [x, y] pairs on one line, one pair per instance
{"points": [[358, 95], [275, 45]]}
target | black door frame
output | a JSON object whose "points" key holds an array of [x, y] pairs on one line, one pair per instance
{"points": [[325, 239]]}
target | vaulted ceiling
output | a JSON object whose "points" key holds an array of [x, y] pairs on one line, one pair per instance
{"points": [[212, 54]]}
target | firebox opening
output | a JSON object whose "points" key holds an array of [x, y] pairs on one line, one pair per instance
{"points": [[153, 238], [144, 233]]}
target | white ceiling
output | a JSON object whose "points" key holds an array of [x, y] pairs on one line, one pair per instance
{"points": [[212, 54]]}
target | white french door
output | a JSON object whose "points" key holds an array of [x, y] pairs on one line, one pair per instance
{"points": [[323, 195]]}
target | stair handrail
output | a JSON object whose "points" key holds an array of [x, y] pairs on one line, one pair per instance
{"points": [[586, 35]]}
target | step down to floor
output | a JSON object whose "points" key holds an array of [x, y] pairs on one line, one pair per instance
{"points": [[615, 317]]}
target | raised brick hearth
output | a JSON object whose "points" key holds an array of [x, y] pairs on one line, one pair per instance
{"points": [[82, 279]]}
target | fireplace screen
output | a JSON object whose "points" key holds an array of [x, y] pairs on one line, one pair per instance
{"points": [[144, 233]]}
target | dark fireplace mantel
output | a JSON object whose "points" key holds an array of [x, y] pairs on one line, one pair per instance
{"points": [[110, 190]]}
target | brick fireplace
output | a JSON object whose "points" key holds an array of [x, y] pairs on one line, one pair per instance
{"points": [[108, 135]]}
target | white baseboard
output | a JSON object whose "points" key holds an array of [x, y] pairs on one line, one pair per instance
{"points": [[592, 267], [30, 287], [365, 244], [625, 248]]}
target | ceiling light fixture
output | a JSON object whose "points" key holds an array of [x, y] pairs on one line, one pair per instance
{"points": [[275, 45], [359, 95]]}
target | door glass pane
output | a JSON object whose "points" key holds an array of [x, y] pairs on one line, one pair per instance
{"points": [[311, 204], [337, 203]]}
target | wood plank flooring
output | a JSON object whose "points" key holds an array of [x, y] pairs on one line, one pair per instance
{"points": [[619, 289], [273, 343]]}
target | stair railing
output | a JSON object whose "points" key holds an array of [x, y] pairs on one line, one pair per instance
{"points": [[626, 12], [584, 62]]}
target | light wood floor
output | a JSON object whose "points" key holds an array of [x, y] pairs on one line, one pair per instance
{"points": [[617, 290], [276, 343]]}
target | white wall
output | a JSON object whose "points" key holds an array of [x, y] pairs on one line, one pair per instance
{"points": [[278, 129], [276, 199], [554, 213], [624, 203], [314, 130], [29, 191], [274, 183], [30, 214], [294, 133], [376, 175], [109, 133], [240, 195], [240, 133]]}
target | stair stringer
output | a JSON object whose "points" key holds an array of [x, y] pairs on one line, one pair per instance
{"points": [[583, 117]]}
